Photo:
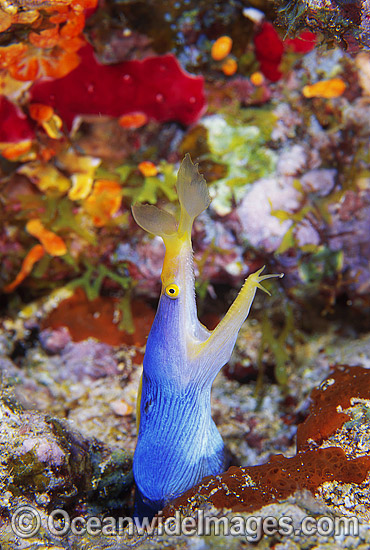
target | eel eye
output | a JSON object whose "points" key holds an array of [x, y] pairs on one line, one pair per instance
{"points": [[172, 291]]}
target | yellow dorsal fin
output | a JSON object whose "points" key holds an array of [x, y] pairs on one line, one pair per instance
{"points": [[138, 403], [154, 220], [192, 191]]}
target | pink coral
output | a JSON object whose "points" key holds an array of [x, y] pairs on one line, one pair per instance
{"points": [[156, 86]]}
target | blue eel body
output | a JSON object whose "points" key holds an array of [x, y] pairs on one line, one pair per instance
{"points": [[178, 442]]}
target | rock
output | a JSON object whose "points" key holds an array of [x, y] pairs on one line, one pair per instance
{"points": [[43, 459]]}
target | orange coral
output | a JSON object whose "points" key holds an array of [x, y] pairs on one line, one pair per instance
{"points": [[72, 44], [33, 256], [27, 12], [10, 54], [28, 63], [279, 478], [59, 65], [104, 201], [16, 150], [9, 15], [51, 51], [5, 21], [331, 397], [47, 38], [73, 26], [40, 113], [51, 242], [25, 69], [133, 120], [46, 152], [229, 66], [84, 4], [334, 87], [148, 168], [221, 48], [44, 115], [257, 78]]}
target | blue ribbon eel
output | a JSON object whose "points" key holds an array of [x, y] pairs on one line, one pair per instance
{"points": [[178, 442]]}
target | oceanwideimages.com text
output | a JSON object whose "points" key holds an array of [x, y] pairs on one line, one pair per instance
{"points": [[26, 523]]}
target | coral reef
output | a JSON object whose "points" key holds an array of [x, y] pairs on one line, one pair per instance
{"points": [[275, 108], [252, 428], [255, 141]]}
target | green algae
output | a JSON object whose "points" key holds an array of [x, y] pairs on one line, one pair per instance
{"points": [[325, 263], [127, 322], [288, 240], [112, 478], [67, 219], [92, 279], [241, 147], [277, 344], [56, 212], [138, 188]]}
